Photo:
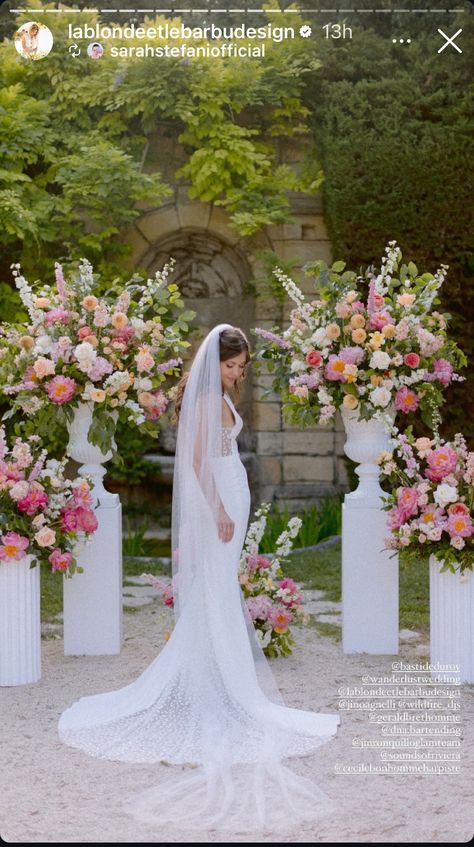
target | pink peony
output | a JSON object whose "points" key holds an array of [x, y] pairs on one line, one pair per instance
{"points": [[380, 319], [441, 462], [69, 520], [412, 360], [442, 371], [406, 400], [358, 306], [259, 607], [60, 561], [100, 367], [407, 501], [314, 358], [263, 562], [280, 618], [14, 546], [460, 525], [82, 493], [61, 389], [351, 355], [86, 519], [36, 500], [58, 315], [334, 369]]}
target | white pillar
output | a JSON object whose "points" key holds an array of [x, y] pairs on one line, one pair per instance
{"points": [[369, 572], [93, 614], [451, 622], [20, 624]]}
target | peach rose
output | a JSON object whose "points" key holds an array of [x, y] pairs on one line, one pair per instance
{"points": [[119, 320], [359, 336], [45, 537], [42, 302], [388, 331], [357, 321], [90, 303], [333, 331], [26, 342], [350, 402], [43, 367], [145, 399], [97, 395], [406, 299]]}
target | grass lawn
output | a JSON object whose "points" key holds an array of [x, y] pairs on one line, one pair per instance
{"points": [[322, 570], [316, 569]]}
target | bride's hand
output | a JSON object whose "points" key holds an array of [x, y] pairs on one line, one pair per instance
{"points": [[225, 525]]}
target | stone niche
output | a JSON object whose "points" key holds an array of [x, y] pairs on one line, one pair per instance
{"points": [[214, 267]]}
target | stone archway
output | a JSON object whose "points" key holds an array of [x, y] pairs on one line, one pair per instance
{"points": [[213, 276]]}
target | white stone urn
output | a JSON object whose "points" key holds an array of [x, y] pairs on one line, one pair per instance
{"points": [[89, 455], [20, 623], [369, 571], [451, 623], [365, 441], [93, 623]]}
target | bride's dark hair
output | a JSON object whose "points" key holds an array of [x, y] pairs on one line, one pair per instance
{"points": [[231, 343]]}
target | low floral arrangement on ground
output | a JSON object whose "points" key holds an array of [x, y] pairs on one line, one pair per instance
{"points": [[273, 600], [42, 514], [114, 351], [431, 507], [369, 343]]}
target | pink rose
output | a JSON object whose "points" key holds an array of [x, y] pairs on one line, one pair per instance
{"points": [[412, 360], [314, 358]]}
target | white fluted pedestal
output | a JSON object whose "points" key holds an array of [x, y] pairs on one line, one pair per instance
{"points": [[369, 573], [93, 617], [451, 623], [20, 624]]}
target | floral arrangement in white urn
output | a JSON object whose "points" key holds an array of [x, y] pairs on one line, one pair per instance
{"points": [[113, 351], [372, 343]]}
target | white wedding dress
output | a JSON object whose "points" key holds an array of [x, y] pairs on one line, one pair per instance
{"points": [[201, 703]]}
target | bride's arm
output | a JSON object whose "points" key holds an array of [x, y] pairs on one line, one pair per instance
{"points": [[225, 524]]}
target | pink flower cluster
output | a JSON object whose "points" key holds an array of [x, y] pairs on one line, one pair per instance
{"points": [[435, 506]]}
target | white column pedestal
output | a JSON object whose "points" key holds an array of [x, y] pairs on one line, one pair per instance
{"points": [[20, 624], [451, 623], [369, 582], [93, 599]]}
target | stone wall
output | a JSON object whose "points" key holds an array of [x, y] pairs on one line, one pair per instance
{"points": [[214, 267]]}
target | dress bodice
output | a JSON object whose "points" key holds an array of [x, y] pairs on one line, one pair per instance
{"points": [[229, 433]]}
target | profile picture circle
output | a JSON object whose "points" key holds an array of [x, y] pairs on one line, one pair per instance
{"points": [[33, 40], [95, 50]]}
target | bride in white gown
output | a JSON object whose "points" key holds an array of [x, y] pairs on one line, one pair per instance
{"points": [[209, 701]]}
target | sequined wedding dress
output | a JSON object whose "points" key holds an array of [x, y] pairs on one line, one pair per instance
{"points": [[209, 701]]}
